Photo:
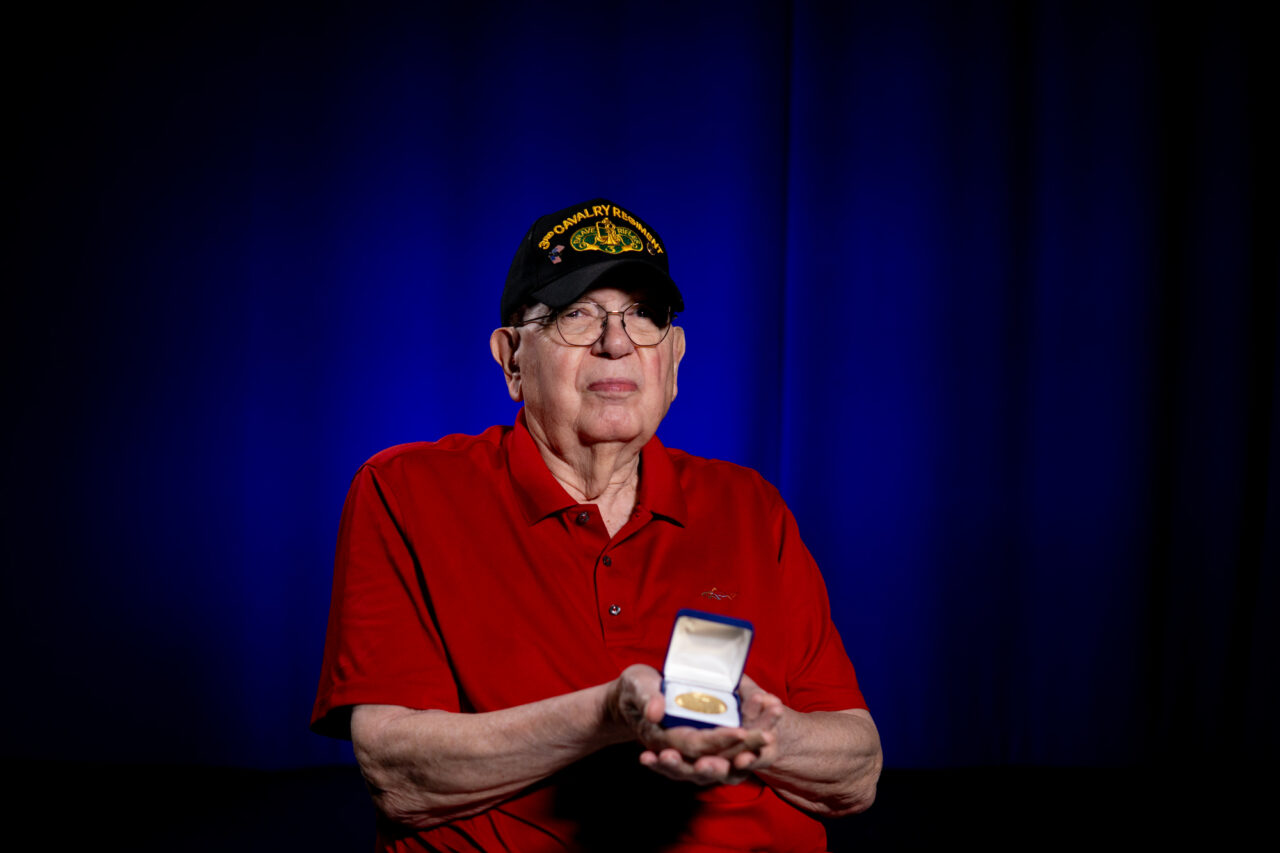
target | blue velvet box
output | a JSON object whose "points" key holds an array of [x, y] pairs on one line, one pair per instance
{"points": [[705, 660]]}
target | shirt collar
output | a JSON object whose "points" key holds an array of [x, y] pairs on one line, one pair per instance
{"points": [[539, 494], [660, 492]]}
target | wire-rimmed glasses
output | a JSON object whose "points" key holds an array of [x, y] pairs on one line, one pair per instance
{"points": [[581, 324]]}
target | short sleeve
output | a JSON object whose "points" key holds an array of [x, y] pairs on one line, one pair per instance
{"points": [[382, 645]]}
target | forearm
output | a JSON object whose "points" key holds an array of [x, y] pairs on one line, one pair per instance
{"points": [[828, 763], [427, 767]]}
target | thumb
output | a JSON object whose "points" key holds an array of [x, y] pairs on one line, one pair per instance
{"points": [[656, 708]]}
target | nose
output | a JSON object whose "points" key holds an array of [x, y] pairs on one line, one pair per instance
{"points": [[613, 341]]}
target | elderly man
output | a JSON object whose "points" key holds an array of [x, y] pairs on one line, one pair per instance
{"points": [[502, 603]]}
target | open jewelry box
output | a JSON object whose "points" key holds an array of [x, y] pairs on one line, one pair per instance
{"points": [[705, 660]]}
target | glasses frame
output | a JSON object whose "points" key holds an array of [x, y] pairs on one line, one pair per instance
{"points": [[554, 319]]}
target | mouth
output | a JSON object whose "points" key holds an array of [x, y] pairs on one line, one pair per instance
{"points": [[613, 386]]}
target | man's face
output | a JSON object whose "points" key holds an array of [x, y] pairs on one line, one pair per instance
{"points": [[577, 396]]}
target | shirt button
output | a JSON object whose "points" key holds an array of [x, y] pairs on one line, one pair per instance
{"points": [[583, 518], [607, 560], [615, 610]]}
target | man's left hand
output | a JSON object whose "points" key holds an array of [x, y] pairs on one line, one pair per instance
{"points": [[716, 756]]}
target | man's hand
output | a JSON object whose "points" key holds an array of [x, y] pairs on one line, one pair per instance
{"points": [[722, 755], [826, 763], [429, 767]]}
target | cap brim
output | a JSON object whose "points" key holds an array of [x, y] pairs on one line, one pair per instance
{"points": [[567, 288]]}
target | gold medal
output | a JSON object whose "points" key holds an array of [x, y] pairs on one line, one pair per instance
{"points": [[703, 703]]}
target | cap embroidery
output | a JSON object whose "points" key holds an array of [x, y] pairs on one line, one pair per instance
{"points": [[601, 210], [606, 237], [554, 254]]}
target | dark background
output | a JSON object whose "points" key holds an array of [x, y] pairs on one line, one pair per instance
{"points": [[989, 290]]}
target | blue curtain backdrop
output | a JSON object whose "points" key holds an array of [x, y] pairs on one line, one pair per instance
{"points": [[987, 289]]}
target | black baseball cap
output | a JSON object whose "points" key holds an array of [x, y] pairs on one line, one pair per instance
{"points": [[568, 252]]}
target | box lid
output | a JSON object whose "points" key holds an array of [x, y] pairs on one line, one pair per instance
{"points": [[708, 649]]}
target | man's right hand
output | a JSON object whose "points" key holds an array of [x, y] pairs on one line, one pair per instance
{"points": [[722, 755]]}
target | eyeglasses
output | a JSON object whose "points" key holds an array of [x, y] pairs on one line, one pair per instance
{"points": [[581, 324]]}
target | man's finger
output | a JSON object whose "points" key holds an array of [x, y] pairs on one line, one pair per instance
{"points": [[697, 742]]}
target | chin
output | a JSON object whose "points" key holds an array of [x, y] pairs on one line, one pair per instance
{"points": [[599, 436], [613, 429]]}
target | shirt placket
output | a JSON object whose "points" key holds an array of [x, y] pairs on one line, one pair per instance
{"points": [[614, 578]]}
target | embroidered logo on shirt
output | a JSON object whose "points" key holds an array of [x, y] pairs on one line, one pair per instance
{"points": [[718, 595]]}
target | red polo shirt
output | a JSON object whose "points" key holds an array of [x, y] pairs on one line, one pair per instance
{"points": [[467, 579]]}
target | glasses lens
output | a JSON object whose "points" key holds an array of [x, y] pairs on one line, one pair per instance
{"points": [[647, 324], [580, 323]]}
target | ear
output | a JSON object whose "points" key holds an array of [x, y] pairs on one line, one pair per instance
{"points": [[503, 343], [678, 352]]}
